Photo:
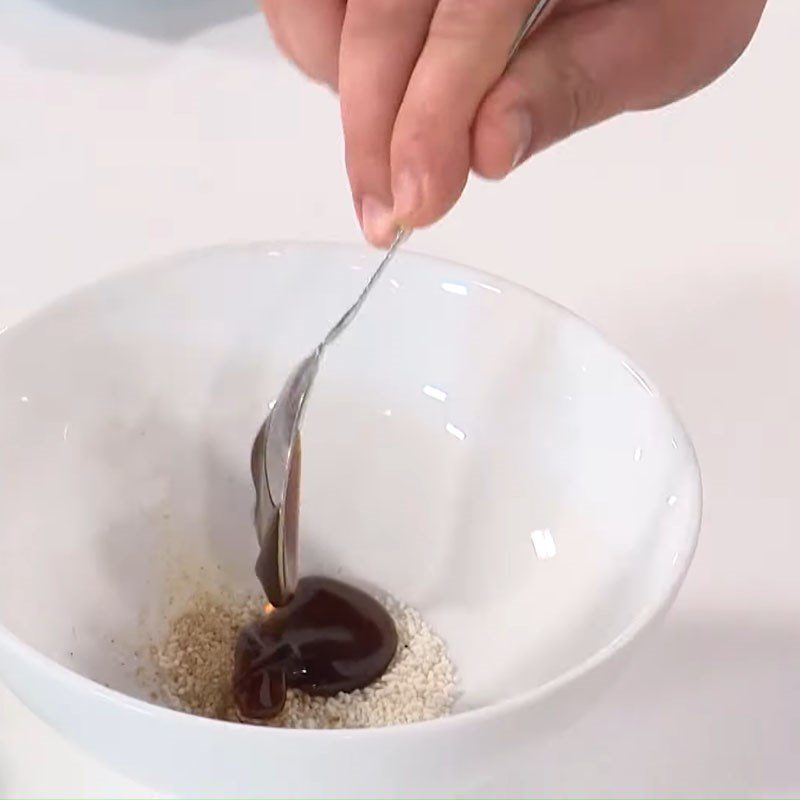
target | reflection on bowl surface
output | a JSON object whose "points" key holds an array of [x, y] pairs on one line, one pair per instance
{"points": [[470, 448]]}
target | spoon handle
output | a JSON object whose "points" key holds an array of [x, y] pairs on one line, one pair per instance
{"points": [[535, 16], [351, 312], [287, 415]]}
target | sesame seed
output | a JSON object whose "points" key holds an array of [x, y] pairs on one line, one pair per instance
{"points": [[191, 669]]}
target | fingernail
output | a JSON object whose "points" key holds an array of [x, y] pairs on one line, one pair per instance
{"points": [[377, 220], [407, 194], [523, 131]]}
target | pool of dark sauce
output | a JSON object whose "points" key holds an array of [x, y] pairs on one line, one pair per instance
{"points": [[330, 637]]}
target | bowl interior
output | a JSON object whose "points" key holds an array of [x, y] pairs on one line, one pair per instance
{"points": [[469, 448]]}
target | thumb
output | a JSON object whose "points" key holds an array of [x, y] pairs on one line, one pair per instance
{"points": [[590, 64]]}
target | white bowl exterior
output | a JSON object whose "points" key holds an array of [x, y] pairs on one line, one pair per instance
{"points": [[458, 407], [191, 757]]}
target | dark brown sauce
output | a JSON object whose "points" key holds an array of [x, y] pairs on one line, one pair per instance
{"points": [[326, 638], [329, 638]]}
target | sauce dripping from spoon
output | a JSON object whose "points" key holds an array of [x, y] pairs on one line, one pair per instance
{"points": [[329, 637]]}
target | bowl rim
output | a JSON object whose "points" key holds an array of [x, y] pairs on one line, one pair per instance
{"points": [[640, 622]]}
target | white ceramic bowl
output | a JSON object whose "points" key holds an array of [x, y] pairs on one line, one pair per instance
{"points": [[471, 448]]}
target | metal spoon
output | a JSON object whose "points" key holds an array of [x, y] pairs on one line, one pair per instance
{"points": [[275, 457]]}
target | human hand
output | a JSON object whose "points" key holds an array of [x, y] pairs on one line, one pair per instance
{"points": [[425, 93]]}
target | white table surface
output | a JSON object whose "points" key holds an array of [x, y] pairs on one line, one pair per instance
{"points": [[134, 128]]}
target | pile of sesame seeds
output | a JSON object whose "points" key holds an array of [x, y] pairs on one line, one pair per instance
{"points": [[192, 666]]}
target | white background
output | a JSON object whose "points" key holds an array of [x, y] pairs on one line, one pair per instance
{"points": [[134, 128]]}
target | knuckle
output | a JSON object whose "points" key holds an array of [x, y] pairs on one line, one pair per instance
{"points": [[582, 95]]}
